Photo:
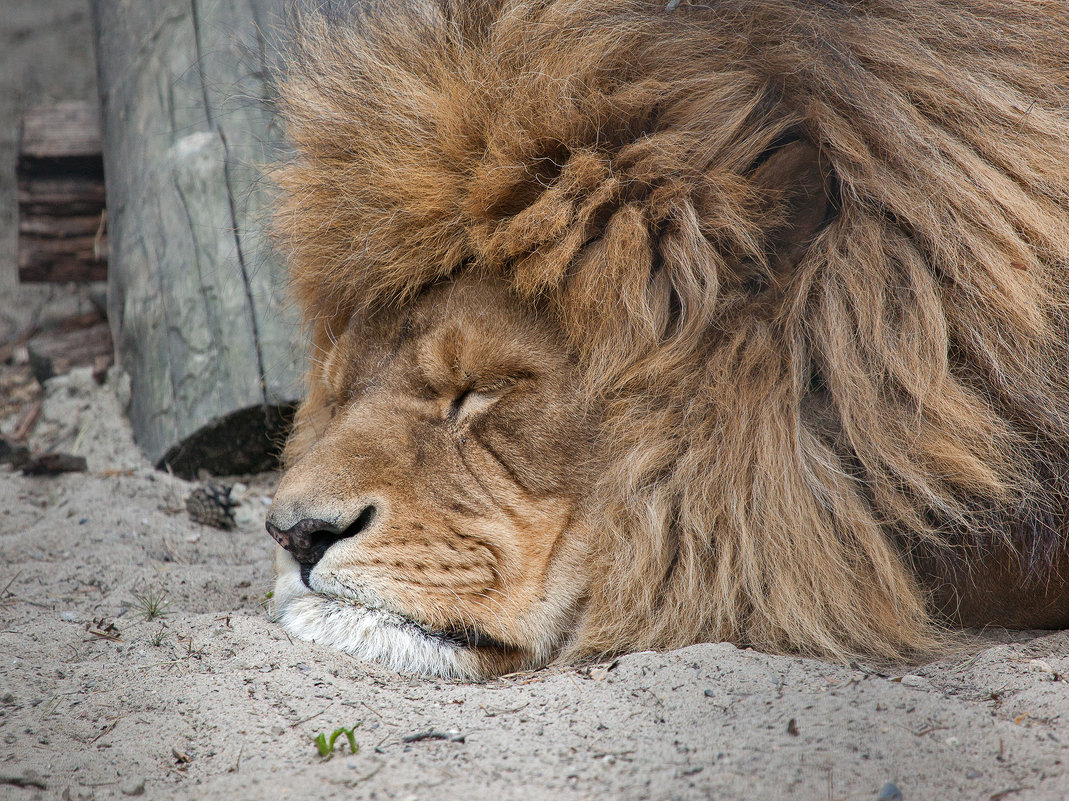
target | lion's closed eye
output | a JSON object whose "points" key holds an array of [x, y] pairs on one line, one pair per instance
{"points": [[474, 400]]}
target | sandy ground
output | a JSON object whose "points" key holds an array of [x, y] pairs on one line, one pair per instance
{"points": [[210, 700], [137, 656]]}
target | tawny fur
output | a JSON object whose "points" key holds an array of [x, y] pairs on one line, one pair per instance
{"points": [[811, 258]]}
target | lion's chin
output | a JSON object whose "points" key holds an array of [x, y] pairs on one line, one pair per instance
{"points": [[374, 634]]}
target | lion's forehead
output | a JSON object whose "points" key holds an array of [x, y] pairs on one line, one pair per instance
{"points": [[471, 332]]}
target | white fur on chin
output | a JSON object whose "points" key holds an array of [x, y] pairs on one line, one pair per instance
{"points": [[372, 634]]}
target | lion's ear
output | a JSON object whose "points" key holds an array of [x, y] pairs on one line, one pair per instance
{"points": [[801, 194]]}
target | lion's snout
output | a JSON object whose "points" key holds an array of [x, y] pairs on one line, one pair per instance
{"points": [[315, 509], [310, 537]]}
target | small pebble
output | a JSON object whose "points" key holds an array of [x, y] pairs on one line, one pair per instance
{"points": [[889, 792], [250, 661], [911, 680]]}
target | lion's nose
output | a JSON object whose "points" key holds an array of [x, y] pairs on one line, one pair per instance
{"points": [[310, 538]]}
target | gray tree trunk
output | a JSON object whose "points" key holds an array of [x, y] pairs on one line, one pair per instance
{"points": [[197, 302]]}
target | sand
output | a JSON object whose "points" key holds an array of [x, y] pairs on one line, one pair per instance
{"points": [[211, 700]]}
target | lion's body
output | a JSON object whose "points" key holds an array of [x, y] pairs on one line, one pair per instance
{"points": [[810, 263]]}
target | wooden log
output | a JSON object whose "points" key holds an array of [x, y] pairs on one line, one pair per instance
{"points": [[78, 342], [57, 135], [70, 196], [197, 301], [58, 259], [60, 170]]}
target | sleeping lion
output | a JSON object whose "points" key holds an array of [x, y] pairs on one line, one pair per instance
{"points": [[642, 324]]}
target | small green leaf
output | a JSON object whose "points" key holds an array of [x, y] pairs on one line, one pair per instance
{"points": [[326, 747], [334, 738], [321, 745], [353, 747]]}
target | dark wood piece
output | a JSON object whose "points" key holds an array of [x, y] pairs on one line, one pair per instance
{"points": [[197, 302], [13, 452], [52, 464], [61, 195]]}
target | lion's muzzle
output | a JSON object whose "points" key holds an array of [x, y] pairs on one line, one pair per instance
{"points": [[309, 538]]}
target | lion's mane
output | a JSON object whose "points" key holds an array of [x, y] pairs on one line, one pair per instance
{"points": [[792, 429]]}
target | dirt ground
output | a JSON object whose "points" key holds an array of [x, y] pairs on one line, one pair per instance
{"points": [[210, 700], [137, 656]]}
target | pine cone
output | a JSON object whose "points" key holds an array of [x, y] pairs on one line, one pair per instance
{"points": [[212, 506]]}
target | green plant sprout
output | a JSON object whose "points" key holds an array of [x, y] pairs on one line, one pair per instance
{"points": [[151, 604], [326, 747]]}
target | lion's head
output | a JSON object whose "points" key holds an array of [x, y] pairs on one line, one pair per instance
{"points": [[640, 324], [432, 515]]}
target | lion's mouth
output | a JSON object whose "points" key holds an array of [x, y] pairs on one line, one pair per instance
{"points": [[468, 636], [360, 622], [460, 637]]}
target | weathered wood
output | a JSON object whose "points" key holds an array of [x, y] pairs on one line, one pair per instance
{"points": [[62, 235], [59, 133], [77, 342], [60, 227], [71, 195], [55, 259], [196, 301]]}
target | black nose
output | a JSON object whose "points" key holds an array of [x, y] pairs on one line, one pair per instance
{"points": [[309, 539]]}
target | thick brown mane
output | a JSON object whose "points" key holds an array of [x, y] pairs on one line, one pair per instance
{"points": [[811, 256]]}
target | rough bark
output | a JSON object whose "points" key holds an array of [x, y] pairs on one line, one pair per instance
{"points": [[197, 302]]}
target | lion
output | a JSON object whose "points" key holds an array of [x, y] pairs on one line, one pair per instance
{"points": [[641, 324]]}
